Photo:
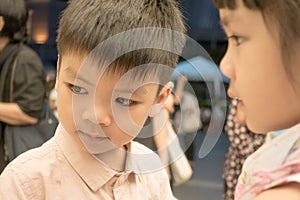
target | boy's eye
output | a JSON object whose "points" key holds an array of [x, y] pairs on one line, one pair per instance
{"points": [[77, 89], [237, 39], [125, 102]]}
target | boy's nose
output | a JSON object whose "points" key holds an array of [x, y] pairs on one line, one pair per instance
{"points": [[103, 117], [99, 116], [227, 66]]}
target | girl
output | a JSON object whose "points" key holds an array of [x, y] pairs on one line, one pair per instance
{"points": [[262, 62]]}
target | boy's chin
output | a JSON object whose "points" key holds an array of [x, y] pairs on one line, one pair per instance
{"points": [[98, 147], [100, 151]]}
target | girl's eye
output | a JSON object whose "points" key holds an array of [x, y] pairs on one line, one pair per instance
{"points": [[125, 102], [237, 39], [77, 89]]}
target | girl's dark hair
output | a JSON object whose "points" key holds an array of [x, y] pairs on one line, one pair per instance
{"points": [[283, 13]]}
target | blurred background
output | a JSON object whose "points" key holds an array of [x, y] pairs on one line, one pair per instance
{"points": [[201, 18]]}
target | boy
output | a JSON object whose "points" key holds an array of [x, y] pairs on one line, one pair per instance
{"points": [[103, 102]]}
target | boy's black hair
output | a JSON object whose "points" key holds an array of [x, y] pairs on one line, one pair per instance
{"points": [[87, 23]]}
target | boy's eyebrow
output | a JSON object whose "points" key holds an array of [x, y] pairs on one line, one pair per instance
{"points": [[74, 74], [131, 91]]}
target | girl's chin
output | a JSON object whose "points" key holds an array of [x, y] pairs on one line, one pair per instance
{"points": [[240, 115]]}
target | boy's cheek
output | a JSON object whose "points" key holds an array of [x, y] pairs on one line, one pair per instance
{"points": [[130, 122], [140, 116]]}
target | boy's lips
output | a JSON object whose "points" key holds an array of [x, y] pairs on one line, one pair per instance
{"points": [[92, 137]]}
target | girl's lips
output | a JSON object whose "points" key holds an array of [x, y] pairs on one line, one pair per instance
{"points": [[240, 114], [230, 94], [239, 102]]}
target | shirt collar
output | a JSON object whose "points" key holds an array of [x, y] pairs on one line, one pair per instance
{"points": [[93, 172], [129, 160], [141, 160]]}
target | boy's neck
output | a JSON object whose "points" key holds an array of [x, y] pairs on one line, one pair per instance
{"points": [[115, 159]]}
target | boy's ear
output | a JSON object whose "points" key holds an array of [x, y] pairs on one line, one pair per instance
{"points": [[164, 93], [1, 23], [57, 71], [160, 99]]}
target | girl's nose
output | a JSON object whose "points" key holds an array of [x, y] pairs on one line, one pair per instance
{"points": [[227, 66]]}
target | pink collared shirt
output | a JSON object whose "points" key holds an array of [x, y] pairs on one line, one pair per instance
{"points": [[61, 170], [275, 163]]}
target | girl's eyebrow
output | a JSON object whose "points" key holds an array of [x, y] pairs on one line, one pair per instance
{"points": [[226, 20], [228, 17], [231, 17]]}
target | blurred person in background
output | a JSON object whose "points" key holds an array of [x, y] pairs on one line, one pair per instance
{"points": [[155, 135], [186, 117], [51, 92], [24, 104]]}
